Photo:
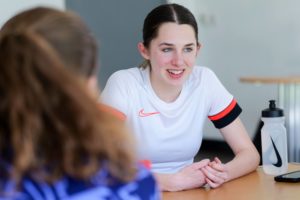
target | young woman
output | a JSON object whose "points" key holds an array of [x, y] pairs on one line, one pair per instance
{"points": [[54, 141], [168, 98]]}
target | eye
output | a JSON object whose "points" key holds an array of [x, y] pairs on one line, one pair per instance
{"points": [[167, 49], [188, 49]]}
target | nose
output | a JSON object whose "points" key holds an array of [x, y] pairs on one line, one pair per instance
{"points": [[178, 59]]}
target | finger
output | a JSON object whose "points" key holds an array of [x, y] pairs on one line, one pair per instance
{"points": [[217, 160], [212, 184], [211, 169], [213, 175], [222, 175], [219, 172], [202, 163], [212, 163], [218, 165]]}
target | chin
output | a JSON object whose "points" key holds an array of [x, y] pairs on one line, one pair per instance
{"points": [[178, 83]]}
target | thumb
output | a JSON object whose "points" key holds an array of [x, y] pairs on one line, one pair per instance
{"points": [[218, 160], [202, 163]]}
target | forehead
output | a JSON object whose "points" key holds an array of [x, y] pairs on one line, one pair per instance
{"points": [[169, 32]]}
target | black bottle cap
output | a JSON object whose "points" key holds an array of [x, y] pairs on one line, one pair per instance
{"points": [[272, 111]]}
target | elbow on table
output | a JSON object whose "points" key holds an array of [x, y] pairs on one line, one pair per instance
{"points": [[255, 159]]}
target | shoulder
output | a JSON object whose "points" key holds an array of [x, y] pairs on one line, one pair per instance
{"points": [[112, 111], [201, 75], [202, 71], [125, 74], [123, 82]]}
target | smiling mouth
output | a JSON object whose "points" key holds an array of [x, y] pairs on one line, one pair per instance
{"points": [[175, 73]]}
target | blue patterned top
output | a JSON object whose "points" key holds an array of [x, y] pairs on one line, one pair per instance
{"points": [[101, 187]]}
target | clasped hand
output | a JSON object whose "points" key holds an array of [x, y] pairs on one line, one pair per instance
{"points": [[213, 173]]}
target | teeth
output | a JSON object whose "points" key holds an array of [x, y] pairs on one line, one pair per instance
{"points": [[175, 71]]}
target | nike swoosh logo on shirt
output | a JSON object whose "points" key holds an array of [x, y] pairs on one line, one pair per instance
{"points": [[144, 114], [279, 160]]}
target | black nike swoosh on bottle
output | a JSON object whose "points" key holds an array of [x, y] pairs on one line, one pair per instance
{"points": [[279, 160]]}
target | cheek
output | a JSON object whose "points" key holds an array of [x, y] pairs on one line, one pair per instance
{"points": [[161, 60], [190, 60]]}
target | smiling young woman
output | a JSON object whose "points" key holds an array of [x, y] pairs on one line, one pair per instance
{"points": [[167, 100]]}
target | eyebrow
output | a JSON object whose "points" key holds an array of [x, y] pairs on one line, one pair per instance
{"points": [[170, 44]]}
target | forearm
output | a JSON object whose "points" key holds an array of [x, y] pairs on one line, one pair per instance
{"points": [[246, 156], [187, 178], [243, 163], [167, 182]]}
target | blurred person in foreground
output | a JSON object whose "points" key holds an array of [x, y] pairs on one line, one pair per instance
{"points": [[54, 142]]}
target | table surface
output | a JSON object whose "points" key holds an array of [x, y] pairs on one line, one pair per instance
{"points": [[256, 185], [271, 80]]}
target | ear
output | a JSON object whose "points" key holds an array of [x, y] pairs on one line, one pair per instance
{"points": [[92, 84], [143, 50], [198, 48]]}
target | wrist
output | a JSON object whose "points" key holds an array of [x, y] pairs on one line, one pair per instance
{"points": [[176, 182], [169, 182], [227, 167]]}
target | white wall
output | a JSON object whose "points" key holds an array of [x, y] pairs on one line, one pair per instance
{"points": [[8, 8], [248, 38]]}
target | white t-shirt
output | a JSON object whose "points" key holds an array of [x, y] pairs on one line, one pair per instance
{"points": [[170, 134]]}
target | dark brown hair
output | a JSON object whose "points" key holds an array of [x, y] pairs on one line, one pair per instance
{"points": [[49, 124], [163, 14]]}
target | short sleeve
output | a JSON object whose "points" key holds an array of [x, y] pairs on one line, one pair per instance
{"points": [[223, 107], [115, 93]]}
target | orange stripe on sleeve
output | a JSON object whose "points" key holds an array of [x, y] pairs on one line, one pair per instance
{"points": [[108, 109], [146, 163], [223, 113]]}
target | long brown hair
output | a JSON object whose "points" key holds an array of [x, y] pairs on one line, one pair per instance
{"points": [[49, 123]]}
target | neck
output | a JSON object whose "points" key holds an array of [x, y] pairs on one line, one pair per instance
{"points": [[166, 93]]}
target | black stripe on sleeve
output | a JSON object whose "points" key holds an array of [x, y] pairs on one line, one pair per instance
{"points": [[230, 117]]}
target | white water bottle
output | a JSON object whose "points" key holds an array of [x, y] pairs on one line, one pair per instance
{"points": [[274, 141]]}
